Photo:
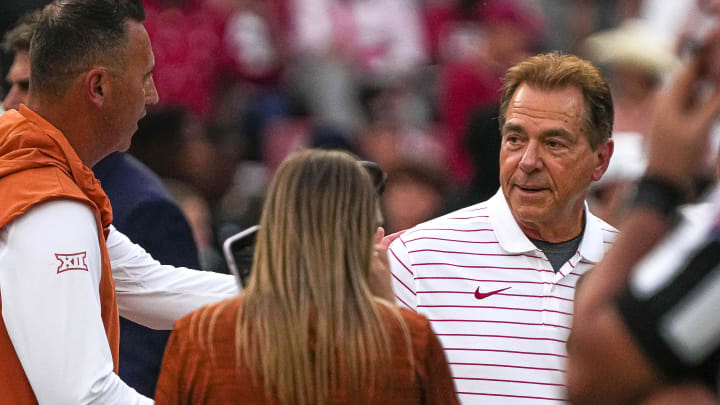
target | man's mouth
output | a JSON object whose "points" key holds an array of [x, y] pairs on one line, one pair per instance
{"points": [[531, 189]]}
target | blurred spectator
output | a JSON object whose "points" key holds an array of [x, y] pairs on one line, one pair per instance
{"points": [[341, 44], [414, 193], [392, 137], [571, 21], [17, 42], [176, 144], [10, 12], [636, 60], [198, 214], [192, 62], [179, 146], [482, 144], [145, 211], [255, 37], [610, 196], [477, 42], [158, 140], [667, 18]]}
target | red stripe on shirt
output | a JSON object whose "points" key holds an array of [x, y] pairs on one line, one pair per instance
{"points": [[507, 366], [400, 261], [452, 240], [478, 216], [505, 351], [501, 337], [509, 381], [464, 253], [512, 396], [483, 267], [475, 209], [453, 230], [506, 294], [492, 307], [506, 322], [492, 281], [404, 303], [403, 284]]}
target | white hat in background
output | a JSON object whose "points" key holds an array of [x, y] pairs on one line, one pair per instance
{"points": [[628, 161], [632, 43]]}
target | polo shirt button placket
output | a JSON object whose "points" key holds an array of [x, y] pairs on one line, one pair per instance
{"points": [[546, 275]]}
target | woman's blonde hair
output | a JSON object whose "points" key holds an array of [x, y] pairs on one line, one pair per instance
{"points": [[308, 322]]}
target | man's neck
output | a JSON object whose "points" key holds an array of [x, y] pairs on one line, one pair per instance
{"points": [[70, 119], [557, 231]]}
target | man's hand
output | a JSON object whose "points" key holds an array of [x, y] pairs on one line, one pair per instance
{"points": [[684, 114], [379, 278]]}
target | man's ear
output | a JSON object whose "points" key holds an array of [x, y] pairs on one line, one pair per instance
{"points": [[604, 153], [96, 83]]}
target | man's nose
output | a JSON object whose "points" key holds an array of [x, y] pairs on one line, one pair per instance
{"points": [[151, 94], [531, 159]]}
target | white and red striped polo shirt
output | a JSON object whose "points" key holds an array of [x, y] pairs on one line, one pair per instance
{"points": [[501, 312]]}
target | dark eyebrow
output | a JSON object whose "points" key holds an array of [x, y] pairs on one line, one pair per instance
{"points": [[513, 128], [562, 133]]}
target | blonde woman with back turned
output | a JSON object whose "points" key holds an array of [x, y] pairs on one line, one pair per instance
{"points": [[307, 330]]}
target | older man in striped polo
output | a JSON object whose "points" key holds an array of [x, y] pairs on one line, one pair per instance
{"points": [[497, 279]]}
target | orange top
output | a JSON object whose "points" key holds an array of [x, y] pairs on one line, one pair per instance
{"points": [[38, 164], [190, 375]]}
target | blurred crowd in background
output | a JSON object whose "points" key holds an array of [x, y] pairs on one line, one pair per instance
{"points": [[410, 84]]}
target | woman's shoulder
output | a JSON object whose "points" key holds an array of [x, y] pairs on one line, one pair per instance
{"points": [[416, 324], [214, 314]]}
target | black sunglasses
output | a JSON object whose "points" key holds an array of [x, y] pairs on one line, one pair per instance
{"points": [[377, 175]]}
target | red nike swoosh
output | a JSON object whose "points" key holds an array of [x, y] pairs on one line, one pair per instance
{"points": [[480, 295]]}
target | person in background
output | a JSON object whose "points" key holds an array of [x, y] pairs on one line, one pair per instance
{"points": [[414, 194], [646, 324], [497, 279], [307, 329], [66, 272], [147, 214], [142, 209], [17, 41]]}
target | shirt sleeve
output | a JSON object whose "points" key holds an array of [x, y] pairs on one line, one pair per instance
{"points": [[157, 295], [50, 271], [403, 277]]}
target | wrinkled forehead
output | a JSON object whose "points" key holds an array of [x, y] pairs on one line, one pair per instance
{"points": [[564, 104]]}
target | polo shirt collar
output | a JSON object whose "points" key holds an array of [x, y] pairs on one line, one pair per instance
{"points": [[507, 231], [513, 240], [592, 247]]}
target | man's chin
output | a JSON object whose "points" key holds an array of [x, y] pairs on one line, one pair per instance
{"points": [[124, 147], [526, 212]]}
